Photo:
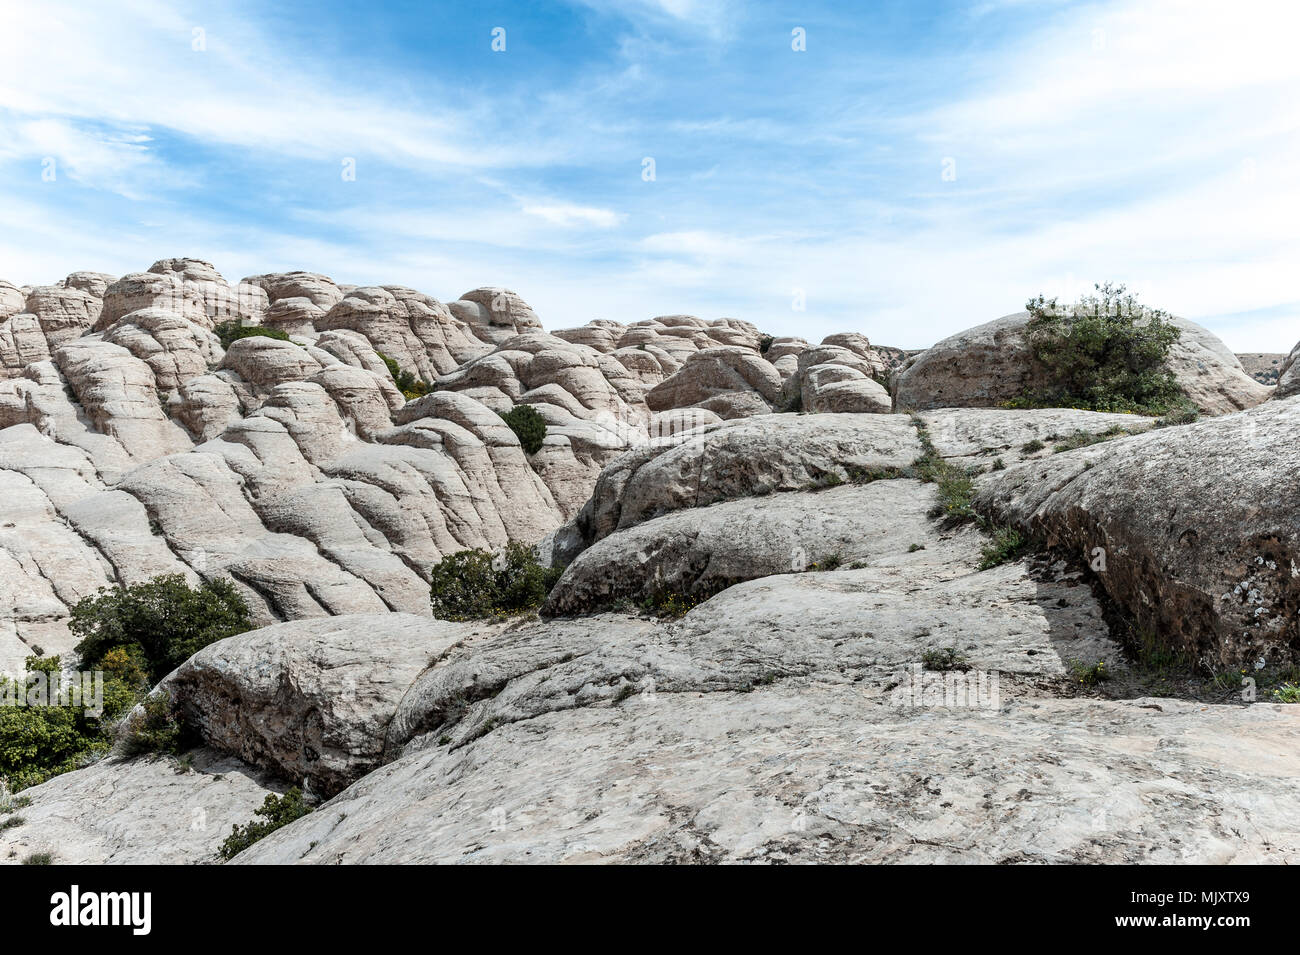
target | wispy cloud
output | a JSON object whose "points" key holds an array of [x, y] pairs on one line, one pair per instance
{"points": [[916, 171]]}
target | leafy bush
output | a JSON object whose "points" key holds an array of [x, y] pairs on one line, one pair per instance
{"points": [[276, 811], [1181, 414], [472, 584], [233, 330], [157, 729], [38, 742], [1005, 543], [764, 343], [1089, 675], [1105, 353], [410, 386], [1287, 693], [158, 624], [528, 425]]}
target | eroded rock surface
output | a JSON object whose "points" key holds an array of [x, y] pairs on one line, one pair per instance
{"points": [[1197, 525], [991, 363]]}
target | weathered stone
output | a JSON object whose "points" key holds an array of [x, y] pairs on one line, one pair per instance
{"points": [[991, 363], [1196, 524]]}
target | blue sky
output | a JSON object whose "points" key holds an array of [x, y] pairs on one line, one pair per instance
{"points": [[919, 168]]}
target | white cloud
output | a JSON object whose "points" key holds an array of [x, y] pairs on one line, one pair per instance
{"points": [[568, 214]]}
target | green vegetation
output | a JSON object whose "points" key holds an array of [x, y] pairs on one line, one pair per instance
{"points": [[134, 636], [1089, 675], [528, 425], [1083, 439], [955, 484], [1183, 414], [410, 386], [276, 812], [40, 740], [764, 343], [1104, 353], [472, 584], [671, 604], [159, 624], [941, 661], [1287, 693], [233, 330], [157, 729], [1005, 544], [955, 488], [39, 858], [1032, 447]]}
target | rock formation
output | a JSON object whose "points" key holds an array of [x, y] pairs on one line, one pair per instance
{"points": [[846, 672], [991, 363]]}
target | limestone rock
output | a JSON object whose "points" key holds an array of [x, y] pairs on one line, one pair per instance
{"points": [[1196, 524], [64, 313], [138, 811], [310, 700], [732, 381], [989, 364], [796, 774], [495, 314], [743, 458]]}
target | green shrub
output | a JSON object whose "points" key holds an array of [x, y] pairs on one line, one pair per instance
{"points": [[1032, 447], [39, 742], [1105, 353], [671, 604], [233, 330], [160, 623], [1287, 693], [39, 858], [949, 658], [158, 728], [276, 812], [473, 583], [410, 386], [764, 343], [528, 425], [1183, 414], [1084, 439], [1089, 675], [1005, 543]]}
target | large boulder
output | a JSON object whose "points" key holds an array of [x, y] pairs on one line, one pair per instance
{"points": [[1288, 378], [309, 700], [1195, 526], [743, 458], [697, 552], [732, 381], [985, 366]]}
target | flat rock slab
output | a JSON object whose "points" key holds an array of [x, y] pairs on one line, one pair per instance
{"points": [[978, 436], [744, 458], [147, 810], [828, 774], [705, 549]]}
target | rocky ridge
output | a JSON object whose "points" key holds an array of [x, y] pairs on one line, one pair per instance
{"points": [[856, 680]]}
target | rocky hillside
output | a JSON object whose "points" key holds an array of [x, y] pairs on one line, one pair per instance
{"points": [[912, 627]]}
